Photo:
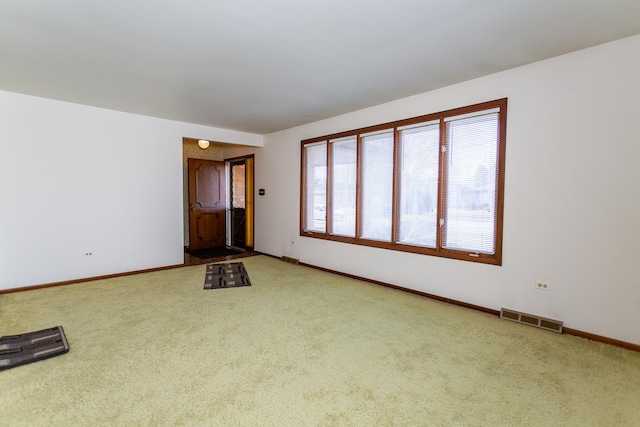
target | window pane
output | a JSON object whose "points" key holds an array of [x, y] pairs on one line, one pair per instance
{"points": [[344, 187], [316, 187], [419, 152], [377, 186], [238, 186], [470, 182]]}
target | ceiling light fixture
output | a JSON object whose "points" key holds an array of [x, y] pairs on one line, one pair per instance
{"points": [[203, 143]]}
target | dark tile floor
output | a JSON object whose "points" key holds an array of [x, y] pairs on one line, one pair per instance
{"points": [[191, 260]]}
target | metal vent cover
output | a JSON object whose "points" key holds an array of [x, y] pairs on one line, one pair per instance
{"points": [[532, 320], [290, 260]]}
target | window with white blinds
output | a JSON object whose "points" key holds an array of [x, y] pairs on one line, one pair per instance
{"points": [[377, 185], [432, 184], [343, 186], [470, 179], [418, 184], [315, 201]]}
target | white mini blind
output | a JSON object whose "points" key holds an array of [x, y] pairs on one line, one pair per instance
{"points": [[377, 185], [343, 186], [471, 182], [418, 195], [316, 186]]}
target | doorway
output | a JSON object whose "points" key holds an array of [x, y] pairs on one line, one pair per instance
{"points": [[211, 227], [240, 202]]}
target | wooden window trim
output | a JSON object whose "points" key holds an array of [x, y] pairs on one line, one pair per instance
{"points": [[493, 259]]}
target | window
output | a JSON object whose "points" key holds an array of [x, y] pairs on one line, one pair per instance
{"points": [[419, 156], [432, 184], [343, 186], [316, 187], [377, 185]]}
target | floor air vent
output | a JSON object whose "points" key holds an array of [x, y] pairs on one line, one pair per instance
{"points": [[532, 320], [290, 260]]}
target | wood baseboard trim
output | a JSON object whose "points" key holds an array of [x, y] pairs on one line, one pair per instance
{"points": [[87, 279], [600, 338], [412, 291], [265, 254], [568, 331]]}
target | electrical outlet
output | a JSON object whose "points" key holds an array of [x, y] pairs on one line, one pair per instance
{"points": [[88, 254], [543, 286]]}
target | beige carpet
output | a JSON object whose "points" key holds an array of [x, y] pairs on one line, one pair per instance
{"points": [[299, 348]]}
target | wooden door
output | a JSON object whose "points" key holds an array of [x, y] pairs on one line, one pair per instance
{"points": [[207, 207]]}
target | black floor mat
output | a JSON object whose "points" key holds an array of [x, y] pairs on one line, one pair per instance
{"points": [[231, 275], [213, 252], [16, 350]]}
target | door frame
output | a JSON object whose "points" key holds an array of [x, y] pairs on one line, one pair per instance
{"points": [[249, 199]]}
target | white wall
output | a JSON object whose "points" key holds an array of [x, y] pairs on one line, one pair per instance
{"points": [[75, 178], [572, 209]]}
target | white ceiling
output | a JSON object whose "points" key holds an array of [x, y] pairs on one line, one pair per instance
{"points": [[261, 66]]}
